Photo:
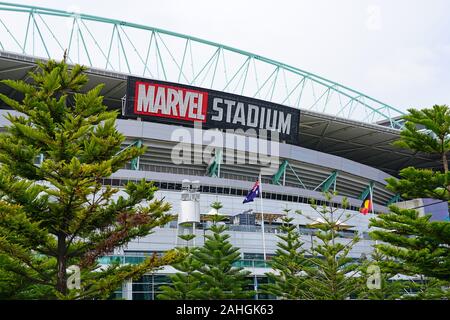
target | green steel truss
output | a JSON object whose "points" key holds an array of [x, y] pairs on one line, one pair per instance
{"points": [[160, 54]]}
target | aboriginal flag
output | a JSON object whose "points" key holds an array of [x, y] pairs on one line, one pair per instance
{"points": [[366, 205]]}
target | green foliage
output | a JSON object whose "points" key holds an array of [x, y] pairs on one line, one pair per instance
{"points": [[435, 138], [390, 287], [331, 273], [187, 237], [289, 264], [322, 272], [185, 284], [219, 279], [58, 214], [13, 286], [420, 183], [414, 245], [207, 272]]}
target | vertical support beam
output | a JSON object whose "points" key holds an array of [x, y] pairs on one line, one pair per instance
{"points": [[40, 36], [148, 54], [70, 38], [135, 161], [245, 76], [158, 52], [215, 69], [26, 34], [213, 169], [182, 61], [394, 199], [274, 83], [123, 50], [84, 44], [328, 182], [110, 46], [366, 191], [127, 290]]}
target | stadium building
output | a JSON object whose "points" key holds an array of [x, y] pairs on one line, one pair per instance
{"points": [[175, 92]]}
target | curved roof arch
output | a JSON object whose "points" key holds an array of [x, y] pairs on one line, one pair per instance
{"points": [[155, 53]]}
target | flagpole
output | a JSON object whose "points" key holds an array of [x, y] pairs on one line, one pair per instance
{"points": [[371, 199], [372, 205], [262, 218]]}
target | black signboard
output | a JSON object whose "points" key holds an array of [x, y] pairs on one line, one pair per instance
{"points": [[181, 104]]}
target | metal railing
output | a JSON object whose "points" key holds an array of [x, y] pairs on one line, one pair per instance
{"points": [[155, 53]]}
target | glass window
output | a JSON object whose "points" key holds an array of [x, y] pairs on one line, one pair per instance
{"points": [[161, 279], [142, 287], [134, 260], [142, 296], [116, 295], [253, 256]]}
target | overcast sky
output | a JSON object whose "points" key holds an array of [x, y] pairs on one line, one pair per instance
{"points": [[395, 51]]}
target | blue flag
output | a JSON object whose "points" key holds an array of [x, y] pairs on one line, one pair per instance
{"points": [[253, 193]]}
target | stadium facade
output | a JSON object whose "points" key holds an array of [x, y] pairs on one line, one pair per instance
{"points": [[318, 148]]}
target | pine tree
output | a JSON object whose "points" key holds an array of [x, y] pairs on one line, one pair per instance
{"points": [[185, 284], [414, 244], [57, 213], [390, 287], [287, 282], [219, 279], [427, 131], [207, 272], [333, 273], [13, 286]]}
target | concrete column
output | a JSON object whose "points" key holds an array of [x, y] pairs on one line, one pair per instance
{"points": [[127, 290]]}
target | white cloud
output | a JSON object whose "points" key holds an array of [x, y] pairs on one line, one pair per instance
{"points": [[407, 68], [401, 75]]}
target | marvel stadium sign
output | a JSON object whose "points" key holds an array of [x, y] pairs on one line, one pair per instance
{"points": [[184, 105], [159, 100]]}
